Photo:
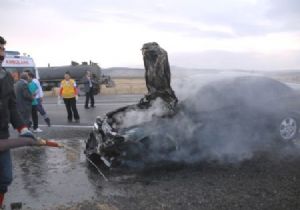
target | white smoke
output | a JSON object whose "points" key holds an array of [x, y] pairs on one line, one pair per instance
{"points": [[224, 139], [137, 117]]}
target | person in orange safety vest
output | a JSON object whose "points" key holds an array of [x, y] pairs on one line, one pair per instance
{"points": [[68, 91]]}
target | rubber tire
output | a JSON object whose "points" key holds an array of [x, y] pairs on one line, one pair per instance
{"points": [[295, 135]]}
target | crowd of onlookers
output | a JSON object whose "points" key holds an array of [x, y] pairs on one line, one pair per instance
{"points": [[29, 98], [20, 103]]}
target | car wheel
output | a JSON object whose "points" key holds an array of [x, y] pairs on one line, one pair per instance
{"points": [[288, 128]]}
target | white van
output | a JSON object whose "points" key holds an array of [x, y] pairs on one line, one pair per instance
{"points": [[16, 64]]}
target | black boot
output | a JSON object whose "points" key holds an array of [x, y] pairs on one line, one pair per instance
{"points": [[47, 120]]}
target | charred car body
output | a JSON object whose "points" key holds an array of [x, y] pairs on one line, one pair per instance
{"points": [[227, 118]]}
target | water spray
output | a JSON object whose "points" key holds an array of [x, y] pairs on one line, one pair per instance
{"points": [[88, 159], [59, 145]]}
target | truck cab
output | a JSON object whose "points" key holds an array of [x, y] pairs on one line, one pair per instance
{"points": [[15, 63]]}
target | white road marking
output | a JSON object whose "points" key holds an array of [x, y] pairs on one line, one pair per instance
{"points": [[97, 104], [68, 126]]}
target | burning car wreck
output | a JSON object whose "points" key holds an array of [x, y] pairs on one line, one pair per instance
{"points": [[229, 118], [110, 133]]}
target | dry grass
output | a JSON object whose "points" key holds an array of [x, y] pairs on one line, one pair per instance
{"points": [[138, 85], [287, 78], [122, 86], [126, 86]]}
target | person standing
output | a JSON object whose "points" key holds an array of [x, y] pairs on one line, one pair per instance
{"points": [[24, 98], [39, 97], [8, 114], [68, 91], [34, 111], [90, 84]]}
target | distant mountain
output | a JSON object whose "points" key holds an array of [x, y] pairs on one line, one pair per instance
{"points": [[286, 71], [178, 71], [123, 72], [140, 72]]}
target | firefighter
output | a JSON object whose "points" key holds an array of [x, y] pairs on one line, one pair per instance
{"points": [[8, 114]]}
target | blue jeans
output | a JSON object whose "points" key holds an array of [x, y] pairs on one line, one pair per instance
{"points": [[40, 108], [5, 171]]}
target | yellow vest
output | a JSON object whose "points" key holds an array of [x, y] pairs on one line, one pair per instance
{"points": [[68, 89]]}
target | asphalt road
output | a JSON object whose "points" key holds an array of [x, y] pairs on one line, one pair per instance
{"points": [[49, 178], [104, 104]]}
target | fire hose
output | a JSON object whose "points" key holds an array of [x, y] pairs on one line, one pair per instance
{"points": [[6, 144]]}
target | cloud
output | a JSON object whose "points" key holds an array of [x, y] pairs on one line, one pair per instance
{"points": [[193, 30], [285, 13], [112, 32], [237, 60], [243, 18]]}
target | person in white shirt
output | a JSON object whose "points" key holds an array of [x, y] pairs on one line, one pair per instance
{"points": [[39, 97]]}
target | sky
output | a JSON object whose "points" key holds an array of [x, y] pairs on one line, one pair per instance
{"points": [[214, 34]]}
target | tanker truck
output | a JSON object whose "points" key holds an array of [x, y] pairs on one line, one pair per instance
{"points": [[51, 77]]}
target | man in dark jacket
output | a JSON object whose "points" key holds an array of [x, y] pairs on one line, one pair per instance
{"points": [[90, 84], [8, 114], [24, 98]]}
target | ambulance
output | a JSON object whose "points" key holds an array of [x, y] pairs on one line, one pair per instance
{"points": [[15, 63]]}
